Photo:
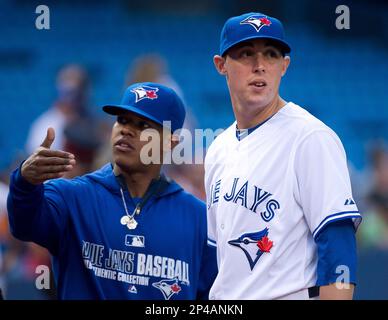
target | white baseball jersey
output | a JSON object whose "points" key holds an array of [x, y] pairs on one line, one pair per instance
{"points": [[268, 196]]}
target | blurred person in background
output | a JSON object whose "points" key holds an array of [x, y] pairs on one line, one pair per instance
{"points": [[151, 68], [72, 86], [154, 68], [374, 230], [83, 138]]}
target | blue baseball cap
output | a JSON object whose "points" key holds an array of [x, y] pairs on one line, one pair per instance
{"points": [[153, 101], [252, 25]]}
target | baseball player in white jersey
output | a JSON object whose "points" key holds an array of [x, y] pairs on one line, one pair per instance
{"points": [[280, 205]]}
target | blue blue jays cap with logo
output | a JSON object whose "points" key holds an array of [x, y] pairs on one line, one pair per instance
{"points": [[252, 25], [153, 101]]}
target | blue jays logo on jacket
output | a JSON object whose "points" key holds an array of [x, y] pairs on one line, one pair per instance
{"points": [[253, 245], [168, 287], [257, 22], [145, 92]]}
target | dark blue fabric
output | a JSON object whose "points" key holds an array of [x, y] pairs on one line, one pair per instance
{"points": [[337, 253], [96, 257], [136, 200]]}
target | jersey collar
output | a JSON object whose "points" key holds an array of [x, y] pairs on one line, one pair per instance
{"points": [[243, 133]]}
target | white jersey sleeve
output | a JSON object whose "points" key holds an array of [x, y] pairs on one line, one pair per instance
{"points": [[323, 183]]}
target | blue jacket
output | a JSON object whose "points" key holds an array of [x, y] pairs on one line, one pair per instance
{"points": [[96, 257]]}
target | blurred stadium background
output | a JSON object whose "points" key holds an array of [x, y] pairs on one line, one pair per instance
{"points": [[338, 75]]}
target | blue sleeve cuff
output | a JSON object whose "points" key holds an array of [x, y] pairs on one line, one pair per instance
{"points": [[337, 253], [21, 183], [345, 215]]}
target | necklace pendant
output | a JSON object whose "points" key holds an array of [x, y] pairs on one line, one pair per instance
{"points": [[124, 220], [132, 224]]}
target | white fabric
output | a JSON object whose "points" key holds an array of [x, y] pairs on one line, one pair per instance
{"points": [[51, 118], [295, 168]]}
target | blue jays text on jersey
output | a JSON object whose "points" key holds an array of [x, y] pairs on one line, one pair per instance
{"points": [[262, 201], [96, 257], [119, 265]]}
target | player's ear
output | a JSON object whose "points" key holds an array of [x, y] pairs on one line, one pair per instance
{"points": [[219, 63], [286, 63]]}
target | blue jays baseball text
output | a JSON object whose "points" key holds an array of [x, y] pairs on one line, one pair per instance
{"points": [[136, 269]]}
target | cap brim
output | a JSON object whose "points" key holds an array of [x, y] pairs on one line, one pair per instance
{"points": [[285, 46], [119, 109]]}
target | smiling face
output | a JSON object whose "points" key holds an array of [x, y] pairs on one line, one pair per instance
{"points": [[253, 70], [126, 142]]}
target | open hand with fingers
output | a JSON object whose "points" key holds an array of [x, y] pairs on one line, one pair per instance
{"points": [[45, 164]]}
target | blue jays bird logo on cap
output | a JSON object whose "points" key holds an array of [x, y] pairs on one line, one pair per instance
{"points": [[168, 287], [257, 22], [145, 92], [253, 245]]}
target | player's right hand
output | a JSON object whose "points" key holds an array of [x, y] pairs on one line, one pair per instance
{"points": [[45, 164]]}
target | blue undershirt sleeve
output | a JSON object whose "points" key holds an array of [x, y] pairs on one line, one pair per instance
{"points": [[36, 212], [337, 253]]}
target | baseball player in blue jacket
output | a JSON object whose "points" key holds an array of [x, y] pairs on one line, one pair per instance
{"points": [[124, 231]]}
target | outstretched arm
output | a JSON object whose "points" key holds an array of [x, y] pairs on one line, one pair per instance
{"points": [[37, 211]]}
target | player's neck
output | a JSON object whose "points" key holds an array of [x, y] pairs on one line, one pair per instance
{"points": [[139, 181], [247, 120]]}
